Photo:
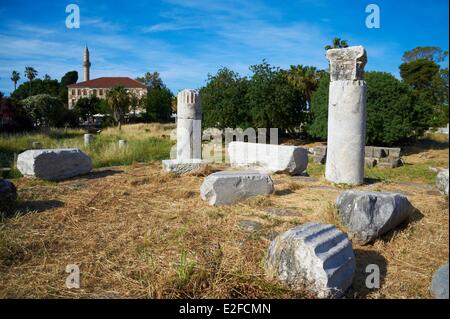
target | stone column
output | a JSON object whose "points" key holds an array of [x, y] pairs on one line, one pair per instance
{"points": [[189, 132], [346, 116], [88, 139]]}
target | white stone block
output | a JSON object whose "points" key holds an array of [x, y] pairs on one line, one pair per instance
{"points": [[230, 187], [316, 257], [54, 164], [268, 158]]}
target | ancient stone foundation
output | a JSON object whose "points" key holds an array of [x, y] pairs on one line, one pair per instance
{"points": [[54, 164], [346, 116]]}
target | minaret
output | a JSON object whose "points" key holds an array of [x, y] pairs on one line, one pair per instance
{"points": [[86, 64]]}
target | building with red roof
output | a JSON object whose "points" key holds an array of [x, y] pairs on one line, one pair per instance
{"points": [[99, 87]]}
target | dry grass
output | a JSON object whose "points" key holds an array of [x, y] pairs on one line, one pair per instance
{"points": [[135, 231]]}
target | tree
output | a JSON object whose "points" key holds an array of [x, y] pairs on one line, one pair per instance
{"points": [[119, 100], [273, 102], [44, 110], [69, 78], [15, 77], [47, 77], [224, 101], [419, 73], [158, 105], [39, 86], [134, 103], [30, 73], [394, 114], [434, 54], [87, 106], [305, 78], [152, 80], [337, 44], [319, 109], [430, 86]]}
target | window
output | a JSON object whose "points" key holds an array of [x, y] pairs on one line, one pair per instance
{"points": [[94, 92], [100, 92], [73, 92], [79, 92], [84, 92]]}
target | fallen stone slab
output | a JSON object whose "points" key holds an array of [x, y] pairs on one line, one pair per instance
{"points": [[368, 215], [269, 157], [179, 167], [442, 181], [54, 164], [313, 256], [439, 283], [8, 195], [250, 225], [223, 188]]}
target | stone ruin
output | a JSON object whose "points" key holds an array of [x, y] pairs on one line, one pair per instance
{"points": [[346, 116], [383, 157], [189, 135], [54, 164]]}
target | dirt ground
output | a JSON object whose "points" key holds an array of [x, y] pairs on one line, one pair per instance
{"points": [[137, 232]]}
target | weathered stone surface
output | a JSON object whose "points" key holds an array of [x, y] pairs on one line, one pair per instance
{"points": [[123, 143], [223, 188], [346, 116], [314, 256], [274, 211], [250, 225], [88, 139], [369, 215], [439, 283], [189, 132], [268, 157], [183, 167], [442, 181], [8, 195], [54, 164], [347, 64]]}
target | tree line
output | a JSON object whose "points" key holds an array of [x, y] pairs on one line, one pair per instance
{"points": [[296, 100], [43, 102]]}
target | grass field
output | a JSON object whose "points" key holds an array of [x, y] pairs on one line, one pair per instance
{"points": [[135, 231], [145, 144]]}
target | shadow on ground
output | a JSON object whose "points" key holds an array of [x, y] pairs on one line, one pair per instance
{"points": [[369, 264], [25, 207], [424, 145], [99, 173]]}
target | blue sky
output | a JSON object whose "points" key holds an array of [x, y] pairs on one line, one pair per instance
{"points": [[184, 40]]}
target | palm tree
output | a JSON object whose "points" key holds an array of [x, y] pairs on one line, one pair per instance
{"points": [[337, 44], [119, 100], [305, 78], [15, 77], [30, 73]]}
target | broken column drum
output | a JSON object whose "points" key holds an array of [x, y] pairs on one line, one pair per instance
{"points": [[346, 116], [189, 115]]}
